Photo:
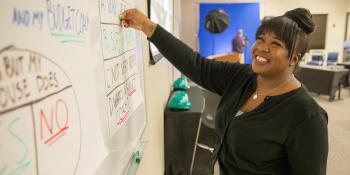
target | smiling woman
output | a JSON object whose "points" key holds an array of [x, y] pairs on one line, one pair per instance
{"points": [[266, 122]]}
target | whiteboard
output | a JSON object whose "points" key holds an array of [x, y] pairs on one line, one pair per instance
{"points": [[71, 87]]}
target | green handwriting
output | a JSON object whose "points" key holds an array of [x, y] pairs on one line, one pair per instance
{"points": [[2, 170], [72, 41], [10, 129], [22, 164], [67, 35], [19, 170]]}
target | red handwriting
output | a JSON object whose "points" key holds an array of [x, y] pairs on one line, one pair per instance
{"points": [[55, 137], [123, 110], [58, 113], [132, 92], [123, 119]]}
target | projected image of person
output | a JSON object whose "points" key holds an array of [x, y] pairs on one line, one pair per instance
{"points": [[266, 122], [239, 42]]}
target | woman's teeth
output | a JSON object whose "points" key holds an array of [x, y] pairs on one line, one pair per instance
{"points": [[261, 59]]}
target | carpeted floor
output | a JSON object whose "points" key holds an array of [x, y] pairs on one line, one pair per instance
{"points": [[339, 133]]}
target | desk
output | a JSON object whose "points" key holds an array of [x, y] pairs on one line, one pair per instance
{"points": [[180, 129], [345, 64], [322, 80], [229, 57]]}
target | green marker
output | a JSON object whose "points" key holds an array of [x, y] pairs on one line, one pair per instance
{"points": [[137, 157]]}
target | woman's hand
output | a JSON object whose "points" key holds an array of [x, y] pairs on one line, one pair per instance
{"points": [[135, 19]]}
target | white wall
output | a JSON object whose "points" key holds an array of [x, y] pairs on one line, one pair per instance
{"points": [[336, 10]]}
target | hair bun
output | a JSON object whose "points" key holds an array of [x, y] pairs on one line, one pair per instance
{"points": [[303, 18]]}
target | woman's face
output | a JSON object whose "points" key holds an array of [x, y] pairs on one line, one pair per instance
{"points": [[270, 55]]}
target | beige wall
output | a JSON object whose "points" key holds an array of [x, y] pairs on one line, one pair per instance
{"points": [[336, 10], [348, 12]]}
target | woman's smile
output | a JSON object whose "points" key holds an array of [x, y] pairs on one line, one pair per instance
{"points": [[259, 60]]}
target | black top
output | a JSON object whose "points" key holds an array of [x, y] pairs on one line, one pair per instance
{"points": [[285, 135]]}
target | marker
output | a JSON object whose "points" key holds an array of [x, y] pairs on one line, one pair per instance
{"points": [[137, 156]]}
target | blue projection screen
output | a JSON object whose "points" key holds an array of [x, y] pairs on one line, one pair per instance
{"points": [[242, 16]]}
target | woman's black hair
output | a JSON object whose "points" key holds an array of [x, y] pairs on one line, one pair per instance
{"points": [[293, 28]]}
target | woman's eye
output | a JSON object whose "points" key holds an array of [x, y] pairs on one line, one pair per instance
{"points": [[259, 38], [276, 44]]}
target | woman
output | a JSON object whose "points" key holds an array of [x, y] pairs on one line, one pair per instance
{"points": [[266, 121]]}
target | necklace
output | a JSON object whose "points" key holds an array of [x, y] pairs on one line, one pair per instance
{"points": [[255, 96]]}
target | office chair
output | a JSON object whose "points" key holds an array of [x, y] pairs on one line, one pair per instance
{"points": [[332, 58], [316, 58], [205, 137]]}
